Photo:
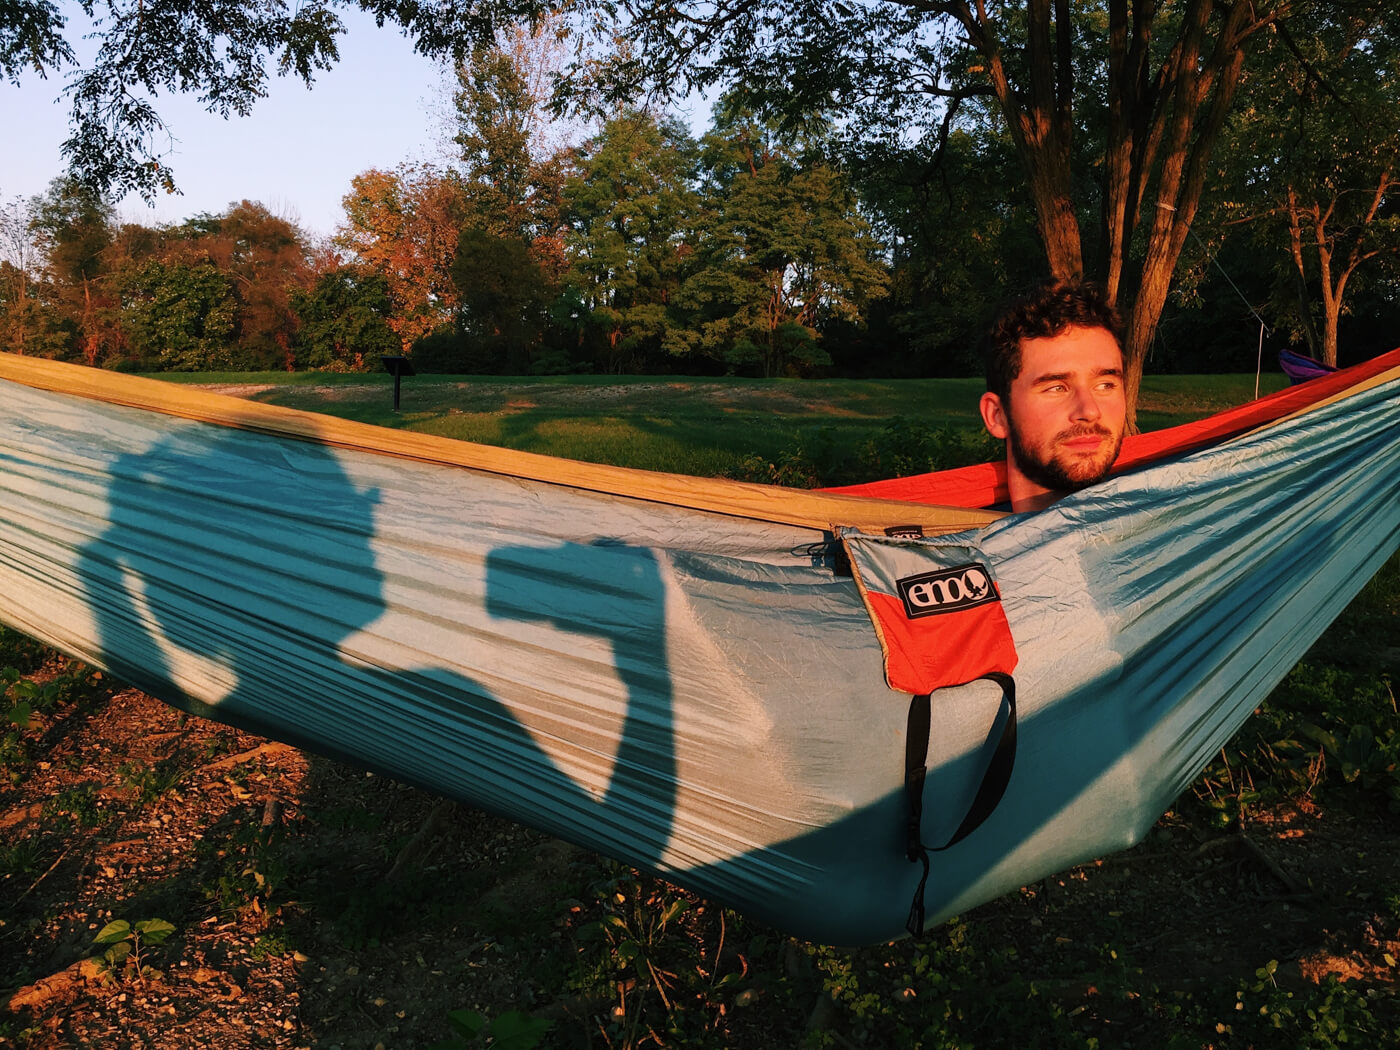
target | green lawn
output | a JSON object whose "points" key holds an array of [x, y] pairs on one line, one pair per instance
{"points": [[825, 432]]}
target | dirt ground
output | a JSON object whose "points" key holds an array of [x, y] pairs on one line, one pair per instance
{"points": [[284, 877]]}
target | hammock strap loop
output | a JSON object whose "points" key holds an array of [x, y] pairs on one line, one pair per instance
{"points": [[995, 779]]}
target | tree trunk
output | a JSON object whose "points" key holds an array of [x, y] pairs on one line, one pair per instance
{"points": [[1295, 248], [1331, 294], [1041, 126], [1202, 89], [90, 340]]}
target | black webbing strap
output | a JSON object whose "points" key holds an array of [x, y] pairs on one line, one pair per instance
{"points": [[989, 792]]}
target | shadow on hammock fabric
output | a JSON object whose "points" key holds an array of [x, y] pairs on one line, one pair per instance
{"points": [[240, 608]]}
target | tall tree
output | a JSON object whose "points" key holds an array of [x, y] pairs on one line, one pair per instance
{"points": [[950, 217], [404, 225], [20, 312], [73, 231], [264, 256], [267, 256], [780, 250], [511, 151], [510, 253], [632, 203], [181, 316], [344, 319]]}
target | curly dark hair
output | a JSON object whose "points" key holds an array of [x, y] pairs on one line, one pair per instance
{"points": [[1045, 310]]}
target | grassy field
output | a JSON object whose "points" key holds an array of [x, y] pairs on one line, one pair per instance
{"points": [[1262, 913], [819, 432]]}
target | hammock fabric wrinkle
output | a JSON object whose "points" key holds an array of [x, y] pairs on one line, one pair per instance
{"points": [[707, 679]]}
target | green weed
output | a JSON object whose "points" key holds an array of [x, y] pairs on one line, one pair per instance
{"points": [[150, 781], [949, 990], [270, 945], [673, 969], [250, 870], [75, 806], [27, 707], [20, 860], [125, 947], [18, 1033]]}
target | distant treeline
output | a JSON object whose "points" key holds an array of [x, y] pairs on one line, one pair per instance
{"points": [[753, 250]]}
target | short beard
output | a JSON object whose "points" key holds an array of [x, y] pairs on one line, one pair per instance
{"points": [[1058, 477]]}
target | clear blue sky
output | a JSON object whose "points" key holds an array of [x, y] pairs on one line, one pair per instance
{"points": [[296, 152]]}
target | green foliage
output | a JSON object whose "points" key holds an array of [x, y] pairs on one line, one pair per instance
{"points": [[508, 257], [940, 201], [503, 294], [21, 653], [808, 462], [911, 446], [20, 859], [270, 945], [817, 458], [1310, 163], [511, 1030], [511, 191], [77, 804], [633, 202], [665, 955], [150, 781], [251, 869], [125, 948], [28, 706], [948, 991], [72, 228], [344, 320], [30, 322], [220, 53], [1322, 1018], [181, 315], [781, 251]]}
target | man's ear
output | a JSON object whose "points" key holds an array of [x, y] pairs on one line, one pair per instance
{"points": [[994, 415]]}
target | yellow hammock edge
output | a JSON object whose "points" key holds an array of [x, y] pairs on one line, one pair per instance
{"points": [[742, 499]]}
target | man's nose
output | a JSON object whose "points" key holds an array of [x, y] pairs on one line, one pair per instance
{"points": [[1086, 405]]}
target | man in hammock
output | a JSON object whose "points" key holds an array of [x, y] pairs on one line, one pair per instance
{"points": [[1055, 391]]}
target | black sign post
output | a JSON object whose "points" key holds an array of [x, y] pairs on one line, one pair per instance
{"points": [[398, 366]]}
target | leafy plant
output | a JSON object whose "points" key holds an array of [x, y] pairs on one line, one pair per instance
{"points": [[20, 859], [270, 946], [666, 962], [125, 945]]}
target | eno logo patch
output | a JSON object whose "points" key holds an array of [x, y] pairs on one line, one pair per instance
{"points": [[947, 590]]}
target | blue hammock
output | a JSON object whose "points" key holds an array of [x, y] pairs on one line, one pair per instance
{"points": [[1300, 368], [689, 675]]}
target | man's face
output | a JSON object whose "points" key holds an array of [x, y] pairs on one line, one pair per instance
{"points": [[1066, 414]]}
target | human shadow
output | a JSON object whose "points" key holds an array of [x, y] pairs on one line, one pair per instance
{"points": [[238, 577]]}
